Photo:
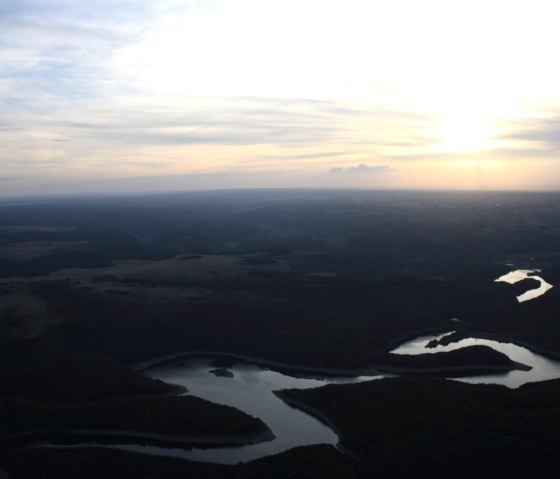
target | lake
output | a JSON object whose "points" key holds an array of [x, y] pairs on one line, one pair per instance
{"points": [[542, 368], [251, 390], [518, 275]]}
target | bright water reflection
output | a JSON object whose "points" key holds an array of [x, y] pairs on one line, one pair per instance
{"points": [[542, 368], [250, 390], [518, 275]]}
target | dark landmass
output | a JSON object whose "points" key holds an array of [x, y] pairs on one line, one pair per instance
{"points": [[470, 358], [310, 270], [48, 373], [472, 430], [179, 416], [313, 461], [326, 279], [222, 372], [428, 427]]}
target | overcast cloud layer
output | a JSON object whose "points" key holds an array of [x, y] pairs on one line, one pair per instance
{"points": [[128, 95]]}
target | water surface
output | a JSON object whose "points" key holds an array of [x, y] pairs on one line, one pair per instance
{"points": [[250, 390], [518, 275], [542, 367]]}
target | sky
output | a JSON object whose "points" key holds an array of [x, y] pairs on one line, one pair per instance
{"points": [[145, 95]]}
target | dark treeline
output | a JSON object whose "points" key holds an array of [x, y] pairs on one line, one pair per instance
{"points": [[181, 416], [431, 428]]}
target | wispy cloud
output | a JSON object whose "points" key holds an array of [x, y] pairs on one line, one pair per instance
{"points": [[360, 169], [543, 132], [225, 121]]}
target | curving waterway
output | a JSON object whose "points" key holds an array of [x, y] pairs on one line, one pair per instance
{"points": [[251, 388], [518, 275], [542, 368]]}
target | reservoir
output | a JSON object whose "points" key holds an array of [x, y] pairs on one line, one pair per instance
{"points": [[542, 368], [251, 390], [518, 275]]}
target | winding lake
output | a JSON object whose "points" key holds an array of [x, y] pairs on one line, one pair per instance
{"points": [[518, 275], [542, 367], [250, 390]]}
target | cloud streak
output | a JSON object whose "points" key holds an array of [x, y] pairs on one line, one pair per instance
{"points": [[361, 169], [544, 131]]}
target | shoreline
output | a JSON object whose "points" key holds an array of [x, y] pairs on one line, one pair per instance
{"points": [[107, 437], [465, 333], [258, 361], [319, 416], [395, 343], [373, 370]]}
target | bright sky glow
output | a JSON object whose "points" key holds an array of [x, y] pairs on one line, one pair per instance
{"points": [[103, 95]]}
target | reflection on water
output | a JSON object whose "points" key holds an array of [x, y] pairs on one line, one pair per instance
{"points": [[542, 368], [249, 390], [521, 274]]}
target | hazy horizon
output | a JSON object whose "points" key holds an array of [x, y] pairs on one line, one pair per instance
{"points": [[140, 193]]}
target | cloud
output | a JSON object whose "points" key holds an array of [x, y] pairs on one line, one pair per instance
{"points": [[112, 87], [60, 49], [240, 121], [361, 169], [320, 154], [544, 131]]}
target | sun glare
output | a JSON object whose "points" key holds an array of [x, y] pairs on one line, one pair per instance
{"points": [[469, 114], [466, 134]]}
